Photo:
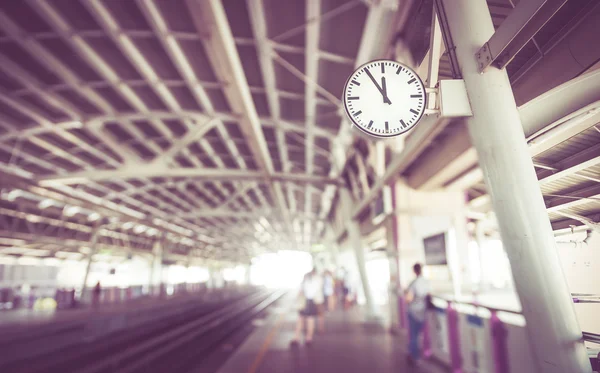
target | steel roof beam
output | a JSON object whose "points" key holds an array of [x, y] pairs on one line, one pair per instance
{"points": [[264, 51], [210, 174], [210, 16], [521, 25], [571, 165]]}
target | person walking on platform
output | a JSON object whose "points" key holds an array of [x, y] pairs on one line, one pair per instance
{"points": [[311, 287], [416, 296], [96, 295], [329, 290], [319, 300]]}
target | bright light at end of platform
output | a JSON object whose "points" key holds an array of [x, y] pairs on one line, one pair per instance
{"points": [[284, 269]]}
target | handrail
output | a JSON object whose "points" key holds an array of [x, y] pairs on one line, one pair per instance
{"points": [[475, 304], [591, 337]]}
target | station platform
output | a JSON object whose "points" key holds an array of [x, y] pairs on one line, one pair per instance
{"points": [[350, 343]]}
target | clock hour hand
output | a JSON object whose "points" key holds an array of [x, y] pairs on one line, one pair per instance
{"points": [[386, 99]]}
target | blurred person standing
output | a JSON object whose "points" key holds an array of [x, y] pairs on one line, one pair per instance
{"points": [[320, 301], [311, 287], [416, 296], [96, 295], [329, 290]]}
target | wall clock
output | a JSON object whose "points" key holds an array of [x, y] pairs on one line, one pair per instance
{"points": [[384, 98]]}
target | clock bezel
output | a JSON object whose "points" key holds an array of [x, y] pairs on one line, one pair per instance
{"points": [[393, 134]]}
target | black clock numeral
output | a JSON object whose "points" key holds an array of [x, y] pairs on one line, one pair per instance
{"points": [[414, 111], [399, 70], [416, 96], [382, 68], [412, 80], [353, 98], [387, 127], [354, 82], [357, 113], [402, 123], [370, 125]]}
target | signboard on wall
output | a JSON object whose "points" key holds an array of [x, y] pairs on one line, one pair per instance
{"points": [[435, 250]]}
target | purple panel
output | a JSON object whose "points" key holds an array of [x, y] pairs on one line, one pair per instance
{"points": [[185, 98], [427, 340], [233, 130], [147, 129], [499, 343], [75, 14], [127, 14], [342, 33], [18, 118], [176, 127], [118, 132], [115, 99], [238, 16], [153, 51], [285, 79], [27, 62], [283, 16], [292, 109], [7, 82], [26, 18], [454, 339], [198, 59], [251, 65], [109, 52], [79, 101], [218, 100], [328, 118], [177, 15], [45, 108], [65, 54], [260, 102], [332, 76], [149, 97]]}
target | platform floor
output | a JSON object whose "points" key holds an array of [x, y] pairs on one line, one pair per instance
{"points": [[349, 344]]}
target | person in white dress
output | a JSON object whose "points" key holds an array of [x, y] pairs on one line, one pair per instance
{"points": [[309, 293]]}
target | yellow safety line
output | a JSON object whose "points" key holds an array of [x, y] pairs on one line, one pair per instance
{"points": [[266, 345]]}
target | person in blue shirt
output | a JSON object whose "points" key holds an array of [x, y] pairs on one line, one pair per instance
{"points": [[416, 296]]}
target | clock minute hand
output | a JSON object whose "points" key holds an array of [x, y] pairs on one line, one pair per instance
{"points": [[374, 82]]}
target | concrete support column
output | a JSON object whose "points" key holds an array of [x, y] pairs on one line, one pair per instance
{"points": [[247, 267], [480, 238], [93, 250], [359, 251], [461, 255], [406, 254], [394, 288], [156, 268], [497, 134]]}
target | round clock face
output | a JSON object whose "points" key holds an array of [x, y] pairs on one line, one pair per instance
{"points": [[384, 98]]}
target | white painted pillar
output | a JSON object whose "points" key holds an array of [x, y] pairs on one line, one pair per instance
{"points": [[480, 238], [248, 269], [394, 287], [157, 264], [461, 236], [359, 251], [497, 134], [93, 250]]}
